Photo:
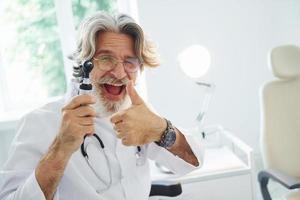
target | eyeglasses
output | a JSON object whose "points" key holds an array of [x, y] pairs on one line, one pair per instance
{"points": [[108, 62]]}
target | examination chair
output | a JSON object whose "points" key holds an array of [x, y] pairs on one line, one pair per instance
{"points": [[280, 123]]}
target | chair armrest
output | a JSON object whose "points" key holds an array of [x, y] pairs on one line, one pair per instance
{"points": [[276, 175], [165, 188]]}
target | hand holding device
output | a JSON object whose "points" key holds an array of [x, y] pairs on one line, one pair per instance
{"points": [[77, 115]]}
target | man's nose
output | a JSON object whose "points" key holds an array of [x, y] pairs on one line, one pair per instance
{"points": [[119, 71]]}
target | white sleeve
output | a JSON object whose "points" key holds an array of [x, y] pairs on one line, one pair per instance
{"points": [[29, 189], [18, 181], [173, 162]]}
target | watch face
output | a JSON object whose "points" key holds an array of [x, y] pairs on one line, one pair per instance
{"points": [[170, 138]]}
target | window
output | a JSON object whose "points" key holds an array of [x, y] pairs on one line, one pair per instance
{"points": [[83, 8], [31, 56]]}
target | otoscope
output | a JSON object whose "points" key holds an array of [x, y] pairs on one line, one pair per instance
{"points": [[86, 88], [86, 85]]}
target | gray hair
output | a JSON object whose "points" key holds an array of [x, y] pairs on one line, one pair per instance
{"points": [[120, 23]]}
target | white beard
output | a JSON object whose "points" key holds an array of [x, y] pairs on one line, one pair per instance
{"points": [[105, 108]]}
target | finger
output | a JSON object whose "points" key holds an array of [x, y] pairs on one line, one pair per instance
{"points": [[88, 129], [121, 126], [86, 121], [118, 117], [125, 141], [84, 111], [77, 101], [133, 94], [120, 134]]}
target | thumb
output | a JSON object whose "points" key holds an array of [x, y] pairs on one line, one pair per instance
{"points": [[133, 94]]}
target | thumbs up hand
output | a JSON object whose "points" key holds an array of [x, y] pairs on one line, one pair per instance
{"points": [[138, 125]]}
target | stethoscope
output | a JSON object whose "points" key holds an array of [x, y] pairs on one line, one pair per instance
{"points": [[86, 88]]}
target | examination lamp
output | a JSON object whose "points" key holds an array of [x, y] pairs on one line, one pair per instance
{"points": [[195, 61]]}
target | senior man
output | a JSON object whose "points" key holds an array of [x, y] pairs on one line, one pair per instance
{"points": [[97, 146]]}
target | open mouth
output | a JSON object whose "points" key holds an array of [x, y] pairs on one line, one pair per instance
{"points": [[113, 91]]}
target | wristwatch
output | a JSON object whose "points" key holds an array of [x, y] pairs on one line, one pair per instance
{"points": [[168, 137]]}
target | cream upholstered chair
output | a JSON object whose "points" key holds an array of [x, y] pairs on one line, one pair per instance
{"points": [[280, 126]]}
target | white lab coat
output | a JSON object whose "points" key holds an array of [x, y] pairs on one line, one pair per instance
{"points": [[36, 132]]}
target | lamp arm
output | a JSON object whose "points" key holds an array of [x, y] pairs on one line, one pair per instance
{"points": [[210, 88]]}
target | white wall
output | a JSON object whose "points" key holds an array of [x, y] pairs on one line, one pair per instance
{"points": [[239, 34]]}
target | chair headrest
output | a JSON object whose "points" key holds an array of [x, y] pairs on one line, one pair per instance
{"points": [[285, 61]]}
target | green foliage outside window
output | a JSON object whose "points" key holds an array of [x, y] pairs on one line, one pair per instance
{"points": [[84, 8], [37, 41]]}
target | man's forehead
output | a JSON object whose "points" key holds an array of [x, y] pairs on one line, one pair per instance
{"points": [[115, 43], [104, 51]]}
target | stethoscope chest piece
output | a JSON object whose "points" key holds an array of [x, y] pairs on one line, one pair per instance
{"points": [[140, 156]]}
